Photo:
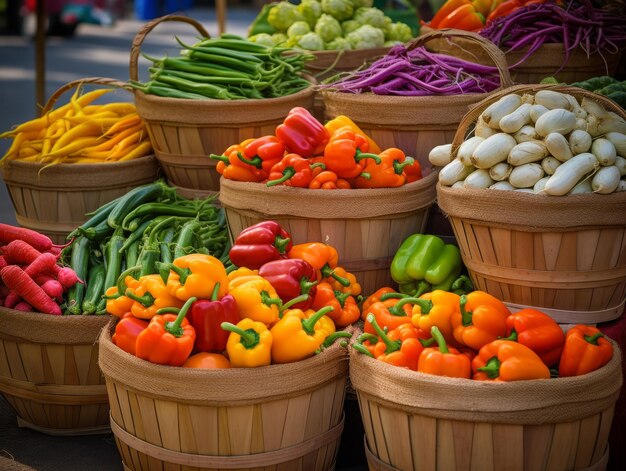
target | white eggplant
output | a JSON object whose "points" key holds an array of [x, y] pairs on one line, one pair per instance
{"points": [[482, 130], [571, 172], [540, 185], [583, 186], [604, 150], [458, 184], [606, 180], [502, 186], [621, 186], [527, 133], [575, 107], [454, 172], [492, 150], [440, 156], [500, 171], [498, 110], [525, 176], [513, 122], [558, 146], [557, 120], [527, 152], [550, 164], [466, 149], [525, 190], [478, 179], [536, 111], [552, 100], [579, 141], [619, 141], [620, 163]]}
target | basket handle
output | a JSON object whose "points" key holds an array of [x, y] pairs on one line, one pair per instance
{"points": [[494, 53], [143, 32], [476, 110], [110, 82]]}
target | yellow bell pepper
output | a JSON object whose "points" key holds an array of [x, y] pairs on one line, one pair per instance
{"points": [[241, 271], [436, 309], [149, 296], [249, 344], [256, 298], [195, 275], [343, 121], [117, 304]]}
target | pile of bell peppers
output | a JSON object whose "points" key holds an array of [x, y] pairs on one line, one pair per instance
{"points": [[305, 153], [475, 336], [472, 15], [281, 303]]}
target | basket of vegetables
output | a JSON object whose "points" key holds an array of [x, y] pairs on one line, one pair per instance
{"points": [[557, 154], [75, 157], [220, 91], [49, 373], [464, 383]]}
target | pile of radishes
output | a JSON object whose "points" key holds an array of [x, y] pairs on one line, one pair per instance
{"points": [[548, 143], [32, 278]]}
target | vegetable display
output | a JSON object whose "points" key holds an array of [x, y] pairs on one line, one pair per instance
{"points": [[549, 142], [304, 153], [226, 68], [81, 132], [327, 25]]}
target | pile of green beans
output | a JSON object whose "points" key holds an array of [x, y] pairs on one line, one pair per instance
{"points": [[147, 225], [227, 68]]}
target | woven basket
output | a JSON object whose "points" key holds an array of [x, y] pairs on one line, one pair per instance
{"points": [[185, 132], [49, 372], [366, 226], [275, 417], [544, 62], [416, 421], [565, 255], [54, 200], [413, 124]]}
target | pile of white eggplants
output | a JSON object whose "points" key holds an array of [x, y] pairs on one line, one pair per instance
{"points": [[547, 142]]}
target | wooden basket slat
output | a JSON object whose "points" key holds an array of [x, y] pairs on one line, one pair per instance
{"points": [[481, 449]]}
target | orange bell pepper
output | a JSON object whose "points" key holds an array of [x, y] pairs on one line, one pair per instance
{"points": [[346, 153], [586, 349], [444, 360], [505, 360], [322, 257], [342, 121], [169, 338], [291, 170], [376, 297], [149, 296], [263, 153], [389, 314], [345, 309], [117, 303], [445, 10], [464, 17], [232, 167], [327, 180], [353, 289], [126, 332], [481, 319], [207, 361], [539, 332], [436, 309], [388, 173]]}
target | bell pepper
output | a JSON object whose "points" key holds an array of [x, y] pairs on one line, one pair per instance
{"points": [[291, 170], [207, 361], [465, 17], [481, 319], [298, 334], [399, 347], [353, 289], [196, 275], [436, 309], [117, 303], [443, 360], [413, 171], [291, 278], [206, 317], [505, 360], [149, 296], [126, 331], [343, 121], [389, 173], [259, 244], [376, 297], [302, 133], [483, 6], [249, 344], [327, 180], [539, 332], [256, 298], [346, 153], [447, 8], [345, 309], [586, 349], [232, 167], [169, 338], [506, 8], [426, 258], [240, 272], [389, 314], [263, 153], [322, 257]]}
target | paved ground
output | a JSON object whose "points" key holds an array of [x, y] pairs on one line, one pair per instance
{"points": [[93, 52]]}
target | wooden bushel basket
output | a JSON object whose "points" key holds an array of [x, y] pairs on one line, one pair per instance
{"points": [[185, 132], [416, 421], [366, 226], [274, 417], [413, 124], [49, 372], [55, 199], [565, 255]]}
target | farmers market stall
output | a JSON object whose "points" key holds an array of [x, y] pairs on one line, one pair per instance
{"points": [[276, 267]]}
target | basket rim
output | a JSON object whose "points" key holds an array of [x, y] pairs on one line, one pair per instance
{"points": [[80, 167]]}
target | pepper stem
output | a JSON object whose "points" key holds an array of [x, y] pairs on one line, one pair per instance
{"points": [[223, 158], [367, 337], [398, 167], [287, 174], [462, 283], [438, 336], [268, 301], [121, 283], [182, 273], [174, 328], [256, 161], [318, 164], [366, 175], [387, 296], [298, 299], [341, 297], [512, 337], [281, 243], [334, 336], [216, 290], [308, 325], [249, 337], [492, 368], [466, 316], [593, 339], [422, 287], [424, 304], [358, 156], [327, 271], [427, 342], [306, 285], [391, 345], [146, 300], [362, 349]]}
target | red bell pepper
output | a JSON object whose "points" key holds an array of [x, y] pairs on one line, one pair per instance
{"points": [[263, 153], [260, 243], [126, 332], [292, 170], [292, 278], [302, 133], [206, 317]]}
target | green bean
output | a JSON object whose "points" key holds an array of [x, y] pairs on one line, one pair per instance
{"points": [[206, 89], [166, 91], [207, 78]]}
